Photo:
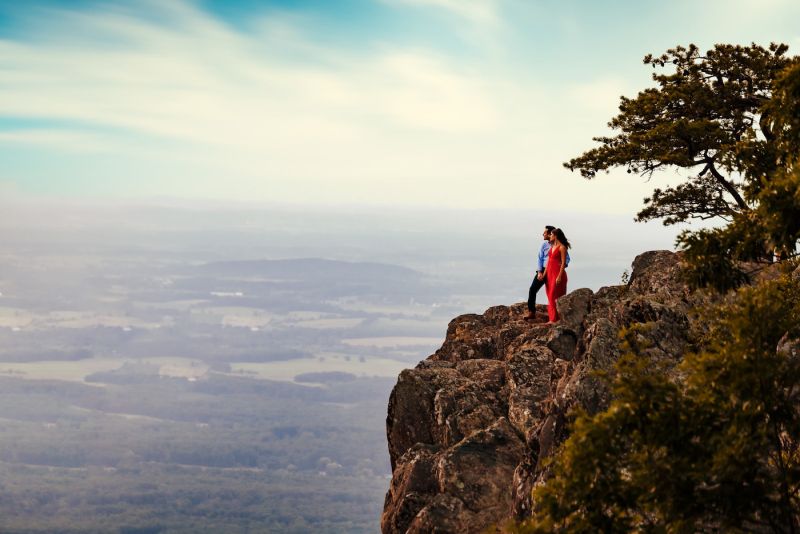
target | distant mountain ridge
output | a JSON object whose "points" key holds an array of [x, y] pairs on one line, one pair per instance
{"points": [[307, 267]]}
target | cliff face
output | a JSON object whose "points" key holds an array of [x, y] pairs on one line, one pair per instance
{"points": [[469, 428]]}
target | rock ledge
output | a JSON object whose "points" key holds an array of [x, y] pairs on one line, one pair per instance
{"points": [[469, 427]]}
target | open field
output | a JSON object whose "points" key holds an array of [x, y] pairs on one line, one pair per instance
{"points": [[73, 371], [392, 341], [340, 322], [77, 371], [287, 370]]}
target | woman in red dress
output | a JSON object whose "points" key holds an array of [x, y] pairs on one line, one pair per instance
{"points": [[554, 272]]}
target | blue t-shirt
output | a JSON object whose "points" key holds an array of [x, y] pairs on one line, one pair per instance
{"points": [[544, 250]]}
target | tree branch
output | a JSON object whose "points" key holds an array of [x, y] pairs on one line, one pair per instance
{"points": [[727, 185]]}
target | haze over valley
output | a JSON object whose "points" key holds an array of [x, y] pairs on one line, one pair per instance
{"points": [[179, 369]]}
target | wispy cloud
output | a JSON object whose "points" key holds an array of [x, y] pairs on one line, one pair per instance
{"points": [[179, 98], [271, 106], [201, 81], [272, 114]]}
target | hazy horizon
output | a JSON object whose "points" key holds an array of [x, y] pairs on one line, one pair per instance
{"points": [[503, 240]]}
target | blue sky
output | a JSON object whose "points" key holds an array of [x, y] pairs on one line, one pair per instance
{"points": [[460, 103]]}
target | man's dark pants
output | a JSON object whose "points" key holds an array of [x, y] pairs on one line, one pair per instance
{"points": [[535, 287]]}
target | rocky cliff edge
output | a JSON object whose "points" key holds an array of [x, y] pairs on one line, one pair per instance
{"points": [[469, 427]]}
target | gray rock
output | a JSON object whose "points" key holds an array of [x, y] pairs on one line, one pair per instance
{"points": [[413, 486], [574, 307], [479, 471], [562, 341], [470, 427], [445, 514]]}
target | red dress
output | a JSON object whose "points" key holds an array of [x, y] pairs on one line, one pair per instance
{"points": [[554, 290]]}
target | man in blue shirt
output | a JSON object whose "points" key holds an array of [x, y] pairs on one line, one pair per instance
{"points": [[539, 280]]}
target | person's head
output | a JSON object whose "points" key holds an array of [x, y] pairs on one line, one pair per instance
{"points": [[547, 230], [558, 236]]}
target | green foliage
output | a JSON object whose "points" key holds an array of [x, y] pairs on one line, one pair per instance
{"points": [[705, 115], [710, 445], [733, 117], [783, 112], [711, 256], [185, 500], [228, 454], [772, 227]]}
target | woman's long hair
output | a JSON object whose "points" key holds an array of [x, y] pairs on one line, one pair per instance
{"points": [[561, 237]]}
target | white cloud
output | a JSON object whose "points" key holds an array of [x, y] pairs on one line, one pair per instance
{"points": [[271, 115], [203, 82]]}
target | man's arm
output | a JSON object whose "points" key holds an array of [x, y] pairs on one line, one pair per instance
{"points": [[542, 255]]}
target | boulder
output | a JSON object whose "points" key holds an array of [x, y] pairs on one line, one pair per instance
{"points": [[412, 488], [469, 429], [479, 471]]}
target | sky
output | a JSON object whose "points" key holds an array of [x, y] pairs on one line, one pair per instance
{"points": [[405, 103]]}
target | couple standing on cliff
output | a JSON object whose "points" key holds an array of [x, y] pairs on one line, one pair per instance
{"points": [[551, 272]]}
